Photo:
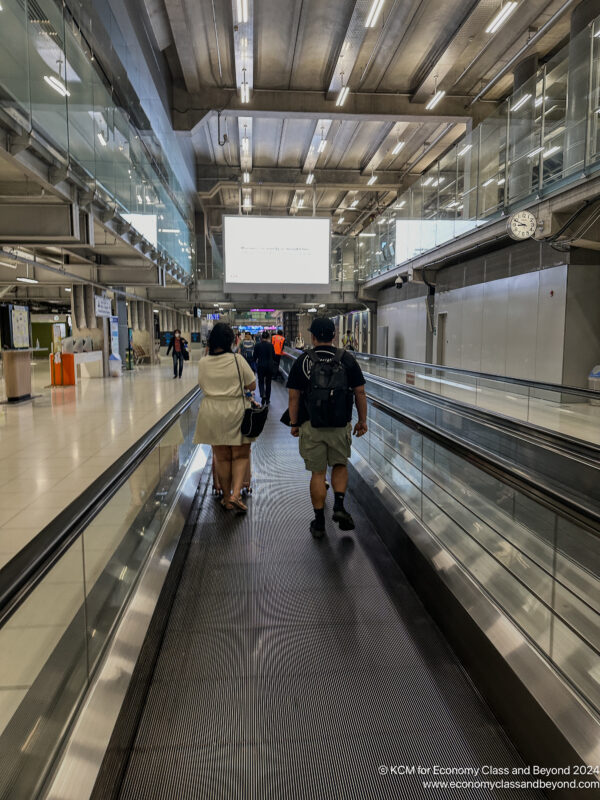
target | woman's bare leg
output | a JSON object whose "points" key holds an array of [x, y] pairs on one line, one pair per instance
{"points": [[223, 461], [239, 467]]}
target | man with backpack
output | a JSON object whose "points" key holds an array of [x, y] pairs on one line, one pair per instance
{"points": [[323, 385]]}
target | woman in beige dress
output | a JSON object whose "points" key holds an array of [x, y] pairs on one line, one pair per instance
{"points": [[221, 375]]}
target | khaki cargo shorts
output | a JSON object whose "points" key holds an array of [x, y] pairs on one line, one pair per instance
{"points": [[322, 446]]}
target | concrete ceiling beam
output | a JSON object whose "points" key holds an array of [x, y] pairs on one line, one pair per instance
{"points": [[192, 109], [182, 36]]}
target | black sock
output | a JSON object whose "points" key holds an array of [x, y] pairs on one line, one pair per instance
{"points": [[319, 516], [338, 503]]}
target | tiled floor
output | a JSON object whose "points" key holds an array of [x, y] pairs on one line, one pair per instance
{"points": [[56, 445]]}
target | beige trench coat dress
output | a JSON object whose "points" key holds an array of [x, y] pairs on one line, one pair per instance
{"points": [[223, 405]]}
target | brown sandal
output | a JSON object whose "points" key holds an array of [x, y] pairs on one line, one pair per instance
{"points": [[226, 504], [238, 505]]}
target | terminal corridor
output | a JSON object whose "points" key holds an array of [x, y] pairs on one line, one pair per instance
{"points": [[298, 668]]}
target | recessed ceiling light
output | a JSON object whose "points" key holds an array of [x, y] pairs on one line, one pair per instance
{"points": [[342, 96], [501, 17], [374, 13], [27, 280], [372, 180], [397, 149], [310, 178], [435, 99]]}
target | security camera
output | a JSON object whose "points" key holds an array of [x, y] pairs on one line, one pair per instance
{"points": [[400, 281]]}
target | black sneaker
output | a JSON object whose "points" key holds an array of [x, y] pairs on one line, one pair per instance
{"points": [[344, 520], [318, 531]]}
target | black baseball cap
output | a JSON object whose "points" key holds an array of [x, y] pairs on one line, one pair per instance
{"points": [[322, 329]]}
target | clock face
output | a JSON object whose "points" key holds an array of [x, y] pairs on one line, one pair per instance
{"points": [[522, 225]]}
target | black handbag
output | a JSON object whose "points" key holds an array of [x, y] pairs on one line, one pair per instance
{"points": [[255, 417], [186, 353]]}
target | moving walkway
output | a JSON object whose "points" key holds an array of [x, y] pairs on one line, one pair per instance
{"points": [[152, 645]]}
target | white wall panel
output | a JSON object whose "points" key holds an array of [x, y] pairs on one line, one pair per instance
{"points": [[551, 324], [522, 325], [407, 323], [512, 326], [493, 335], [471, 327]]}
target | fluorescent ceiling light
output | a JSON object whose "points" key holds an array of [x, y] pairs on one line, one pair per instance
{"points": [[67, 289], [372, 180], [501, 17], [310, 178], [397, 149], [245, 144], [27, 280], [242, 10], [535, 152], [367, 234], [382, 221], [427, 181], [6, 264], [400, 205], [435, 99], [487, 183], [353, 204], [374, 13], [343, 94], [539, 101], [102, 140], [312, 310], [521, 102], [552, 150], [340, 220], [502, 181], [322, 145], [246, 177], [155, 310], [139, 198], [300, 202], [245, 92], [465, 149], [57, 85]]}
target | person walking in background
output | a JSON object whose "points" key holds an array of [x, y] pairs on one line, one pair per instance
{"points": [[179, 346], [299, 342], [278, 345], [247, 349], [348, 341], [221, 376], [264, 358], [323, 384]]}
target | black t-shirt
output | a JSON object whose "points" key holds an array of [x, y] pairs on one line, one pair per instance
{"points": [[300, 374]]}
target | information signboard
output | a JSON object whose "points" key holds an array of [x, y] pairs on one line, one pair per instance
{"points": [[102, 305]]}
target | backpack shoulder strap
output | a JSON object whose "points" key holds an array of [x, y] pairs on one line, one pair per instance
{"points": [[312, 354], [339, 355]]}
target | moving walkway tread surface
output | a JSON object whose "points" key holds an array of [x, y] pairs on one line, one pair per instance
{"points": [[297, 668]]}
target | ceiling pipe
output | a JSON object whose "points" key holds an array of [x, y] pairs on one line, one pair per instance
{"points": [[6, 289], [534, 40]]}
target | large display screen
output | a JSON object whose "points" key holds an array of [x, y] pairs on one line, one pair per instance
{"points": [[277, 254]]}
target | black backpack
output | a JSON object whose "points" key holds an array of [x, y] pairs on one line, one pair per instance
{"points": [[329, 399]]}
